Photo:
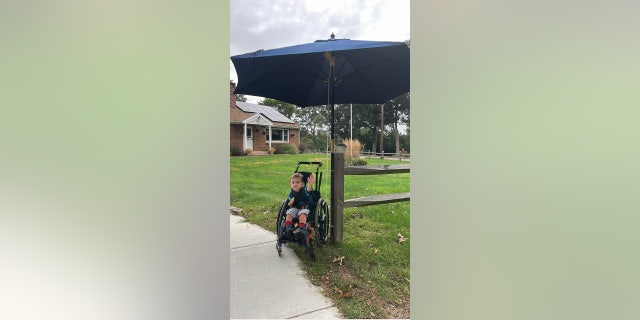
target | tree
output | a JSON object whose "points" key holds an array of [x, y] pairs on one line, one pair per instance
{"points": [[366, 123], [367, 127], [312, 120], [397, 111]]}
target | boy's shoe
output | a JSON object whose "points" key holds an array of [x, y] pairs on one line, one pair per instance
{"points": [[295, 234], [302, 234], [288, 232]]}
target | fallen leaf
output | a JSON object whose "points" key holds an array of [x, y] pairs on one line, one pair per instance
{"points": [[339, 259], [375, 250], [346, 294], [401, 238]]}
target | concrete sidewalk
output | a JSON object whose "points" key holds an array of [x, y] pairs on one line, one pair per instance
{"points": [[258, 289]]}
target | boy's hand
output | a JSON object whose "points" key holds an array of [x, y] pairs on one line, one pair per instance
{"points": [[311, 178], [291, 202]]}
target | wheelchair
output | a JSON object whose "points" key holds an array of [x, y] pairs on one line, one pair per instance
{"points": [[317, 220]]}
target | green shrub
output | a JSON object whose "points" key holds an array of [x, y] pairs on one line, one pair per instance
{"points": [[303, 147], [278, 148], [356, 162], [289, 149], [285, 148], [237, 151]]}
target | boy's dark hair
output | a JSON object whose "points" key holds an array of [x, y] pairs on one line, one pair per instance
{"points": [[297, 175]]}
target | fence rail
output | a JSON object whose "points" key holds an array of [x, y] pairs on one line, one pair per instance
{"points": [[378, 199], [337, 191], [399, 155], [368, 154], [383, 169]]}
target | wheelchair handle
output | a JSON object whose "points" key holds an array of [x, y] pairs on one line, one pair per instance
{"points": [[318, 173], [313, 162]]}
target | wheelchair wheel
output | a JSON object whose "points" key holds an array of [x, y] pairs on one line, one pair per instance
{"points": [[312, 252], [322, 222], [280, 226]]}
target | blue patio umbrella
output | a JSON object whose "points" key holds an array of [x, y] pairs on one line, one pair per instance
{"points": [[326, 72], [364, 72]]}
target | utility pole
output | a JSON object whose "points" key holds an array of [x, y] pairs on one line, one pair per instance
{"points": [[351, 134]]}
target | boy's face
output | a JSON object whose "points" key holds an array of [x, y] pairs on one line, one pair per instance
{"points": [[296, 184]]}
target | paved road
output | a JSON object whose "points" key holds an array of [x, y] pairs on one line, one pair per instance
{"points": [[258, 289]]}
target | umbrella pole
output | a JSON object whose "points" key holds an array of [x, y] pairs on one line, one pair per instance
{"points": [[336, 191]]}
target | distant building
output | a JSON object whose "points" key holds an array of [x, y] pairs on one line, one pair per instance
{"points": [[259, 127]]}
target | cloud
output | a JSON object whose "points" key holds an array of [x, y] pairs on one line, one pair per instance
{"points": [[278, 23]]}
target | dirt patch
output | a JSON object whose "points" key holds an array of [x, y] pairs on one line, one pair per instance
{"points": [[345, 275], [399, 310]]}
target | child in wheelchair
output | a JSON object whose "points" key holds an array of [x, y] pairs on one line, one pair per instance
{"points": [[300, 203], [303, 217]]}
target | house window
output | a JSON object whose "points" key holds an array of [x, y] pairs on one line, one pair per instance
{"points": [[279, 135]]}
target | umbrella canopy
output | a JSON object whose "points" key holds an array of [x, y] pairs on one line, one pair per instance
{"points": [[364, 72]]}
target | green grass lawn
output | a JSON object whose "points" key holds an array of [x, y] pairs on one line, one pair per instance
{"points": [[373, 279]]}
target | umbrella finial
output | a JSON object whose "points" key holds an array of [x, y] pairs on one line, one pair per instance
{"points": [[333, 36]]}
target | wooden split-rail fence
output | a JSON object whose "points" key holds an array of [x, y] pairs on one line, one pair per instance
{"points": [[338, 203]]}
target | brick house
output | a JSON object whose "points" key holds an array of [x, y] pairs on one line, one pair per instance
{"points": [[251, 126]]}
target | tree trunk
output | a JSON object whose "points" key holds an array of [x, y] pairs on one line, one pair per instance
{"points": [[375, 142]]}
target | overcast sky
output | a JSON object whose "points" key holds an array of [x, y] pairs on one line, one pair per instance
{"points": [[269, 24]]}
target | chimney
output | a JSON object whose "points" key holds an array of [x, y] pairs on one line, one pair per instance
{"points": [[232, 96]]}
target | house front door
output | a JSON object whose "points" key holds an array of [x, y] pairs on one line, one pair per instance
{"points": [[248, 143]]}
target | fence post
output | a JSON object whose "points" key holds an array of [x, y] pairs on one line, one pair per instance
{"points": [[337, 203]]}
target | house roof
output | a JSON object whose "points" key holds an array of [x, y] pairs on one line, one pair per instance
{"points": [[258, 119], [244, 111], [267, 111]]}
